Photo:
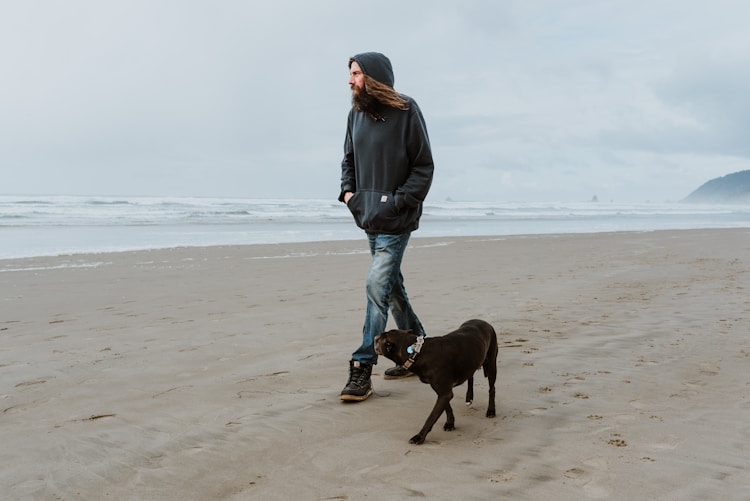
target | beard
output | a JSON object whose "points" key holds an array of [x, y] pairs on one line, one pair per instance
{"points": [[362, 101]]}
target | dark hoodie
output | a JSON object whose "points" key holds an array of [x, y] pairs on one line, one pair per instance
{"points": [[387, 161]]}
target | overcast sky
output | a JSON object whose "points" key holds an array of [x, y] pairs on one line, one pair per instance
{"points": [[631, 101]]}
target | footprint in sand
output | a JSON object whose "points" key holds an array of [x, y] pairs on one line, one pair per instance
{"points": [[637, 404], [32, 382], [668, 442], [588, 475], [574, 473], [501, 477], [593, 472], [538, 410], [686, 393], [176, 388], [708, 369]]}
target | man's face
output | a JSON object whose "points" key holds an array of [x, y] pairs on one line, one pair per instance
{"points": [[356, 78]]}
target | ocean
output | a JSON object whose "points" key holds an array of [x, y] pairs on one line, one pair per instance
{"points": [[32, 226]]}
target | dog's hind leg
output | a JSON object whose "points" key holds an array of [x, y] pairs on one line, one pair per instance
{"points": [[490, 370], [469, 390]]}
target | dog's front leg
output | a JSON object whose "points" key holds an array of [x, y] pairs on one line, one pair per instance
{"points": [[450, 422], [442, 404]]}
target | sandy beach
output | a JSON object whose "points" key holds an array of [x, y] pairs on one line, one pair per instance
{"points": [[214, 373]]}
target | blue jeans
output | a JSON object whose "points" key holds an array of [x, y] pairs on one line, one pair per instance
{"points": [[385, 289]]}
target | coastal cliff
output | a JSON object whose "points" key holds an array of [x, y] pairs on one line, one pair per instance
{"points": [[729, 189]]}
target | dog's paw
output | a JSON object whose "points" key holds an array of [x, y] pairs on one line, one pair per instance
{"points": [[449, 427], [490, 412], [417, 440]]}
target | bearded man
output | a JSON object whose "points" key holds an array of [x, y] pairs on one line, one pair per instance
{"points": [[385, 176]]}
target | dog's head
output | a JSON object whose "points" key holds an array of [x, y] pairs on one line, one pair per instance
{"points": [[393, 344]]}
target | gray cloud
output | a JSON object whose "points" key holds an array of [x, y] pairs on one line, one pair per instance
{"points": [[524, 100]]}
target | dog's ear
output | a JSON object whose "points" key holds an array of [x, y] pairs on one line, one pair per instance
{"points": [[386, 345]]}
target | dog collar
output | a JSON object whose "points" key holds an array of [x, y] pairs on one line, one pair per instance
{"points": [[413, 351]]}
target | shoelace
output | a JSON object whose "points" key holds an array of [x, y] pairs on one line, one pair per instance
{"points": [[361, 377]]}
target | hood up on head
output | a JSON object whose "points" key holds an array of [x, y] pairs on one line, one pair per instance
{"points": [[375, 65]]}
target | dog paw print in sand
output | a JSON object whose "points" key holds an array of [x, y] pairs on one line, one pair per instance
{"points": [[616, 440]]}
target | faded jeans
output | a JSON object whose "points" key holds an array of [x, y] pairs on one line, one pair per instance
{"points": [[385, 289]]}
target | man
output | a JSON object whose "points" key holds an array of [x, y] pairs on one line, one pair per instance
{"points": [[385, 176]]}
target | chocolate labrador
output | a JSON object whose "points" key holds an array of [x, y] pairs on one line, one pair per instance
{"points": [[444, 362]]}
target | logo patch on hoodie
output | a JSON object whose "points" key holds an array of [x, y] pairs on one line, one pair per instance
{"points": [[384, 198]]}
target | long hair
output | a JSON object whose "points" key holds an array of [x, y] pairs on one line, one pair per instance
{"points": [[385, 94]]}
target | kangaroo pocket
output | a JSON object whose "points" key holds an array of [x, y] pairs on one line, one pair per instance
{"points": [[376, 212]]}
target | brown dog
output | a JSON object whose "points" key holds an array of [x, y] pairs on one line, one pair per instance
{"points": [[445, 362]]}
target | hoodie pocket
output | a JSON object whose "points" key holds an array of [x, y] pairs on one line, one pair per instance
{"points": [[375, 212]]}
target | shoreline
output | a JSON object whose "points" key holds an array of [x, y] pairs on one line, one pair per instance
{"points": [[214, 372], [50, 230], [349, 242]]}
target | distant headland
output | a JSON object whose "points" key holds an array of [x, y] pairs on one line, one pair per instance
{"points": [[729, 189]]}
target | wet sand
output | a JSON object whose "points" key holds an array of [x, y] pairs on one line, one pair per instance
{"points": [[214, 373]]}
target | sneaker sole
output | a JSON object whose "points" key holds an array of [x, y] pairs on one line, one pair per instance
{"points": [[355, 398], [403, 376]]}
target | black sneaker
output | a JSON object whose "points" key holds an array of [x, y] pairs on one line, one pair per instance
{"points": [[359, 386], [397, 372]]}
